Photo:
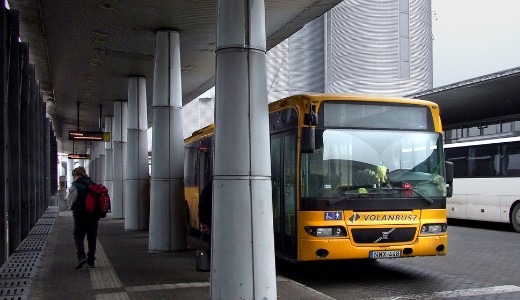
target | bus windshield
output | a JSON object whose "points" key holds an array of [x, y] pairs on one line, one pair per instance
{"points": [[373, 164]]}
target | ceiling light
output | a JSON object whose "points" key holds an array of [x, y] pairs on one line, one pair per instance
{"points": [[106, 6], [94, 61], [100, 33]]}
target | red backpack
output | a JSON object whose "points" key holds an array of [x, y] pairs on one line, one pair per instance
{"points": [[97, 200]]}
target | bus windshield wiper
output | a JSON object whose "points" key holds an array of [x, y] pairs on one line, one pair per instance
{"points": [[350, 195], [426, 198]]}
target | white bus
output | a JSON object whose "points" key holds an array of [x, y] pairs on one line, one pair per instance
{"points": [[487, 179]]}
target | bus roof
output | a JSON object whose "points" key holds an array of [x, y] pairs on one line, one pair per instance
{"points": [[201, 133], [492, 139], [348, 97], [317, 98]]}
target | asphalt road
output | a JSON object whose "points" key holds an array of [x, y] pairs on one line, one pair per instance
{"points": [[483, 262]]}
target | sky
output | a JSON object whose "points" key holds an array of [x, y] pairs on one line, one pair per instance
{"points": [[472, 38]]}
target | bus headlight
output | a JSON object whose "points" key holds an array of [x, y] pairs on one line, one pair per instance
{"points": [[331, 231], [433, 228]]}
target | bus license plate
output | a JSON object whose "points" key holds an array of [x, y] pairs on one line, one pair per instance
{"points": [[385, 254]]}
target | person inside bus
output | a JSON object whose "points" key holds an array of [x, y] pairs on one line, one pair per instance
{"points": [[205, 207]]}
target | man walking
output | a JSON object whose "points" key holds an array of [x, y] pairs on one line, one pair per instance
{"points": [[84, 224]]}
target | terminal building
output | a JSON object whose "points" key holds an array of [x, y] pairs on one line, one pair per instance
{"points": [[360, 47]]}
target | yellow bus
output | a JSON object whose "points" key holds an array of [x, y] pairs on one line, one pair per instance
{"points": [[353, 177]]}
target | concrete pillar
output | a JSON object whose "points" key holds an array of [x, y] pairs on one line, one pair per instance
{"points": [[99, 167], [242, 243], [109, 157], [119, 160], [98, 146], [101, 163], [70, 167], [93, 162], [167, 220], [137, 205], [88, 150]]}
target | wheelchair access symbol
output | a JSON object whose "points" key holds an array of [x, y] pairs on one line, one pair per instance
{"points": [[333, 215]]}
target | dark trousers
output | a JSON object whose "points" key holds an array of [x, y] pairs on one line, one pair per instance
{"points": [[85, 225]]}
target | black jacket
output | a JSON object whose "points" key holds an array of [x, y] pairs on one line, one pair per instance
{"points": [[81, 185], [205, 204]]}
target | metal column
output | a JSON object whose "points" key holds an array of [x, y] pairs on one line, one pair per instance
{"points": [[4, 28], [137, 208], [13, 127], [32, 145], [25, 144], [242, 252], [53, 160], [167, 220], [119, 159]]}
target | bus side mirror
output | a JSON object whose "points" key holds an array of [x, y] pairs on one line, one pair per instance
{"points": [[308, 140], [449, 178], [311, 118]]}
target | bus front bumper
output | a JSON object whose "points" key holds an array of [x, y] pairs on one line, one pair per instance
{"points": [[342, 248]]}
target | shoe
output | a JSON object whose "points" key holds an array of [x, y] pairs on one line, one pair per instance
{"points": [[91, 264], [81, 263]]}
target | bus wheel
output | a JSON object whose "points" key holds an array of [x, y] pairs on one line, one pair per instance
{"points": [[515, 217]]}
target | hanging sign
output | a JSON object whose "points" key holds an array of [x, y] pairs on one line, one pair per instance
{"points": [[79, 156], [99, 136]]}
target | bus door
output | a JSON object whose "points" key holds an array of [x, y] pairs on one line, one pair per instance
{"points": [[205, 164], [205, 168], [283, 176]]}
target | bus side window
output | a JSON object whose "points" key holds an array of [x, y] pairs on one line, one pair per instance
{"points": [[511, 160], [486, 161], [459, 158]]}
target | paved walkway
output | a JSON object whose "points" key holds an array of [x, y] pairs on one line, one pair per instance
{"points": [[125, 269]]}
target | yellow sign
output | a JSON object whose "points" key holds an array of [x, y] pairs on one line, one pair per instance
{"points": [[106, 136]]}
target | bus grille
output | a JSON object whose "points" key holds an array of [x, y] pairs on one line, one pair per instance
{"points": [[383, 235]]}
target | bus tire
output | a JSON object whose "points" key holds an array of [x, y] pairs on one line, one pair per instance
{"points": [[515, 217]]}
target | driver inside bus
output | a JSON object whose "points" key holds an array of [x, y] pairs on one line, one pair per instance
{"points": [[205, 207]]}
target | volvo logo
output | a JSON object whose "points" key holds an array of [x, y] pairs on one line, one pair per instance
{"points": [[384, 235], [354, 218]]}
